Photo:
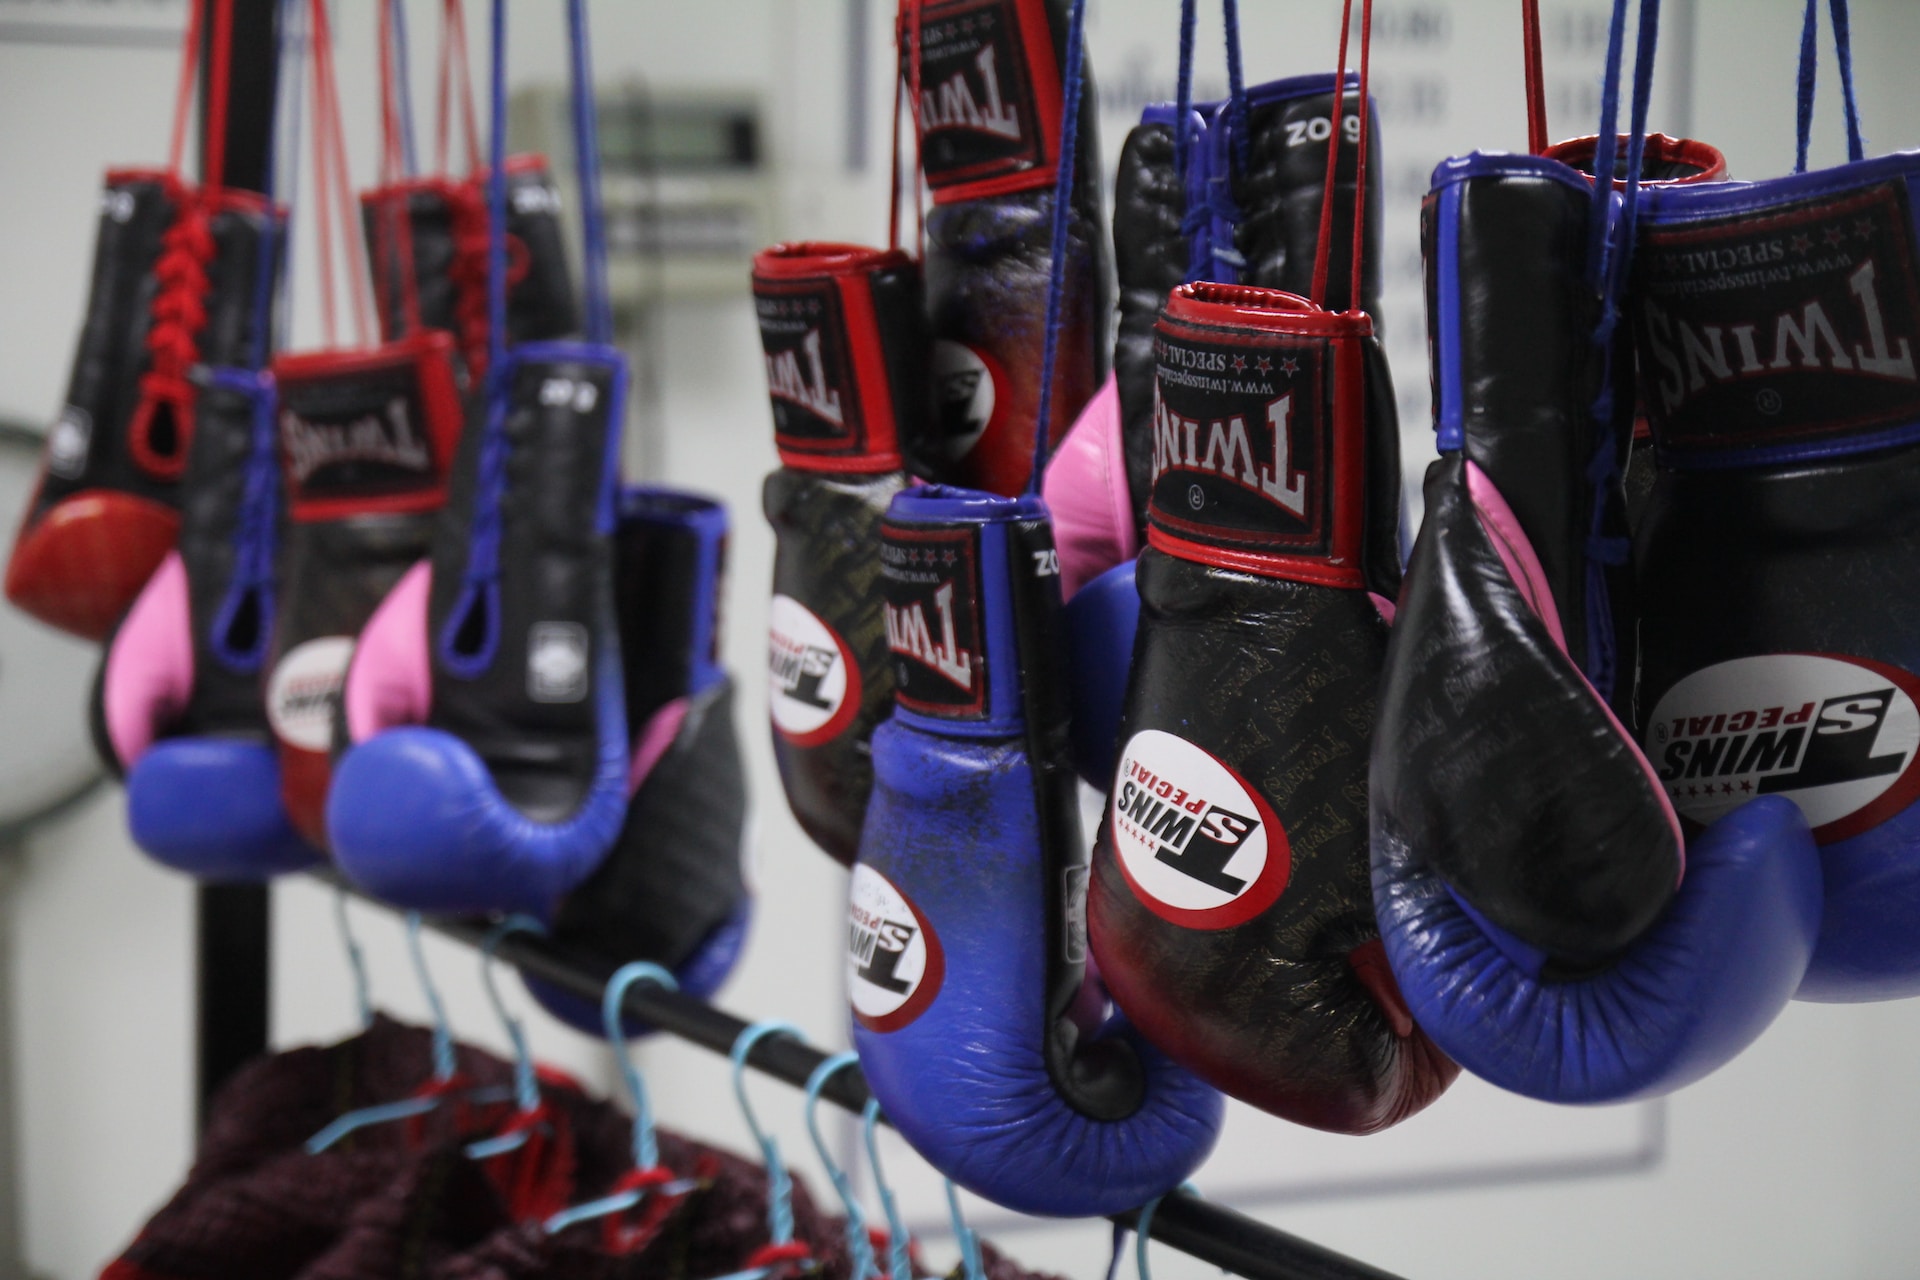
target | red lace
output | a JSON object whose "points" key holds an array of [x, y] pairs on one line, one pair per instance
{"points": [[179, 310], [468, 271]]}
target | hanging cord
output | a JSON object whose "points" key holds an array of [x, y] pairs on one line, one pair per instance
{"points": [[183, 95], [914, 92], [1322, 250], [356, 958], [1359, 159], [781, 1247], [453, 63], [396, 267], [907, 31], [1210, 214], [1057, 264], [1536, 78], [333, 188], [403, 79], [1615, 244], [1809, 66], [586, 149]]}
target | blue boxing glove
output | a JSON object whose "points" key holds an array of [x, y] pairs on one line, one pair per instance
{"points": [[1546, 923], [487, 757], [967, 947]]}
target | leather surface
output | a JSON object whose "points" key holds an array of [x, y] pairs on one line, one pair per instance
{"points": [[826, 532], [1698, 987], [972, 840], [1800, 559], [100, 520], [1277, 680]]}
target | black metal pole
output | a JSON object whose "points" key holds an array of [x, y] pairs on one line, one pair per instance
{"points": [[233, 933], [1216, 1235]]}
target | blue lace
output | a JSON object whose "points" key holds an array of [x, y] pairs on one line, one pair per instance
{"points": [[1211, 212], [480, 585], [257, 532], [1610, 253], [1062, 205], [1809, 65]]}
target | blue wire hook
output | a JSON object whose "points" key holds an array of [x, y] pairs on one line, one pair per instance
{"points": [[443, 1060], [972, 1267], [526, 1082], [779, 1183], [899, 1239], [356, 959], [859, 1246], [646, 1148]]}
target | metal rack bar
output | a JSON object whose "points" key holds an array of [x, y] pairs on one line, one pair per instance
{"points": [[1213, 1233], [232, 935]]}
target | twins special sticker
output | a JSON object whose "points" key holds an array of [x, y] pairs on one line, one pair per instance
{"points": [[813, 687], [302, 689], [965, 396], [1839, 736], [1196, 844], [894, 961]]}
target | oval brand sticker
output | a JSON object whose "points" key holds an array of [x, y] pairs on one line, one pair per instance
{"points": [[1197, 845], [964, 396], [894, 961], [301, 692], [813, 686], [1838, 736]]}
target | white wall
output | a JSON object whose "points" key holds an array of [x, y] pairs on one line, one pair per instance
{"points": [[1798, 1159]]}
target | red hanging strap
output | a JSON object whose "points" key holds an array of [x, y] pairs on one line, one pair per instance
{"points": [[919, 127], [893, 179], [453, 63], [183, 96], [1318, 295], [1536, 80], [395, 268], [1360, 161], [333, 191]]}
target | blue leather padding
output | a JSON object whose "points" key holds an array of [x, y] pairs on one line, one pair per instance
{"points": [[415, 818], [211, 807], [701, 976], [953, 825], [1869, 946], [707, 518], [1696, 989], [1670, 205], [1102, 618], [1450, 424]]}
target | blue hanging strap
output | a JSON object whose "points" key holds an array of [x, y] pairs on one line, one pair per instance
{"points": [[1809, 67], [245, 611], [861, 1263], [586, 156], [403, 85], [1057, 265]]}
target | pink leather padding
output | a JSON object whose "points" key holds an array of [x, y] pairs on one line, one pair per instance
{"points": [[1383, 606], [1523, 566], [149, 674], [663, 726], [390, 681], [1086, 490]]}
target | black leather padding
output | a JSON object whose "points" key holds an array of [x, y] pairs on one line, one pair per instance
{"points": [[1493, 758]]}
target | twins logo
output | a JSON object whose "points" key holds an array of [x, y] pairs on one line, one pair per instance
{"points": [[895, 963], [978, 98], [932, 609], [813, 684], [385, 435], [965, 394], [1839, 736], [1800, 322], [1237, 449], [809, 376], [302, 690], [1195, 843]]}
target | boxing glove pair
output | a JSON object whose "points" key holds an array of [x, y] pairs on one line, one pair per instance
{"points": [[845, 339], [986, 81], [1247, 209], [1777, 323], [1549, 922]]}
